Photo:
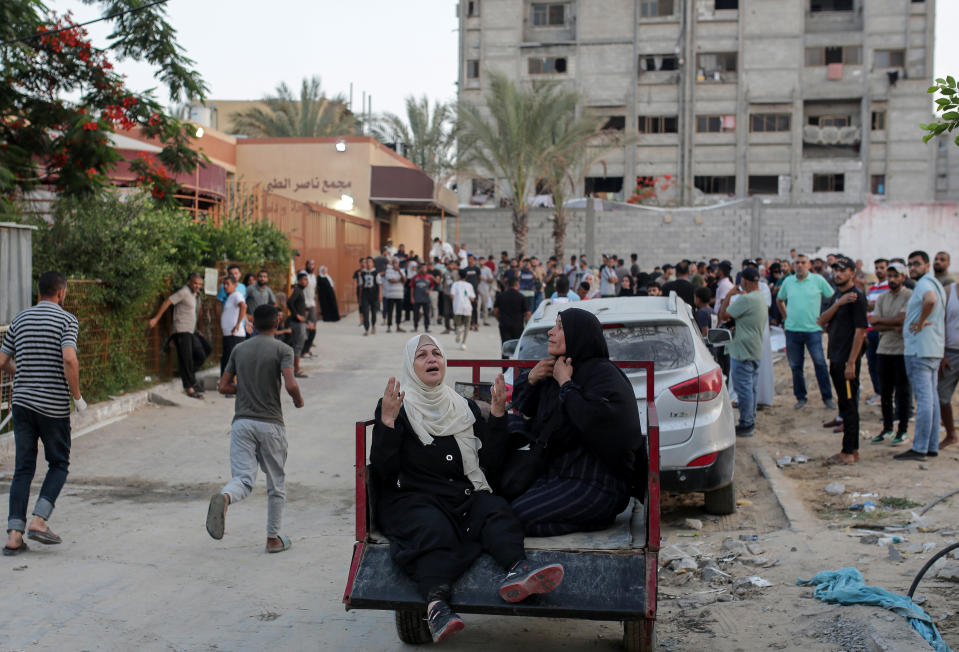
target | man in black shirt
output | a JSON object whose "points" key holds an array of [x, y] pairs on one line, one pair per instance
{"points": [[681, 285], [473, 278], [511, 310], [370, 284], [847, 324], [358, 287], [298, 319]]}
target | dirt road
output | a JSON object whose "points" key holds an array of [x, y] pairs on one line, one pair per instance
{"points": [[138, 571]]}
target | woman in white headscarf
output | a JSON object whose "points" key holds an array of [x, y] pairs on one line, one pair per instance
{"points": [[430, 454], [329, 308]]}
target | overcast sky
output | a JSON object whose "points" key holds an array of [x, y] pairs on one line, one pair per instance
{"points": [[386, 48]]}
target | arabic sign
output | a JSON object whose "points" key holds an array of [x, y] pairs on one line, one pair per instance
{"points": [[314, 183]]}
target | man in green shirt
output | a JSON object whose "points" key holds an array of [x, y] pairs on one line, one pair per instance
{"points": [[746, 349], [800, 304]]}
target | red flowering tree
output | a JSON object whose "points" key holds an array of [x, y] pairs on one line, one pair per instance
{"points": [[48, 139], [648, 188]]}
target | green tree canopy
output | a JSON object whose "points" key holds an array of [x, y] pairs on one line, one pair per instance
{"points": [[947, 106], [313, 115], [427, 135], [48, 140], [524, 135]]}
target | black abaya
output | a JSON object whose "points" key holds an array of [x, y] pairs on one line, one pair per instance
{"points": [[596, 450], [329, 309], [436, 523]]}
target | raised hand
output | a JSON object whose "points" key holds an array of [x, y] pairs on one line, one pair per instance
{"points": [[498, 390], [563, 370], [392, 402], [543, 369]]}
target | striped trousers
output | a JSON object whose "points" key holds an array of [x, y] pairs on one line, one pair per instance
{"points": [[576, 494]]}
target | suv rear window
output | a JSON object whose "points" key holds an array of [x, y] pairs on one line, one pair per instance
{"points": [[670, 346]]}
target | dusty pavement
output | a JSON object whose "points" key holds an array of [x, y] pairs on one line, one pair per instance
{"points": [[138, 571]]}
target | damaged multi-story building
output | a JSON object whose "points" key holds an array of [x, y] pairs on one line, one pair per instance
{"points": [[798, 102]]}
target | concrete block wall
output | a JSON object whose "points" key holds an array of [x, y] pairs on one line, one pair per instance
{"points": [[737, 231]]}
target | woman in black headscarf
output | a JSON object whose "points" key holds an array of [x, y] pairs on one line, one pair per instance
{"points": [[585, 409], [327, 296]]}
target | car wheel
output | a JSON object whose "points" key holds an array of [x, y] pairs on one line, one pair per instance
{"points": [[411, 627], [721, 501]]}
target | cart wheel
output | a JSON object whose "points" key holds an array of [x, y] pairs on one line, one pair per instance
{"points": [[639, 635], [721, 501], [411, 627]]}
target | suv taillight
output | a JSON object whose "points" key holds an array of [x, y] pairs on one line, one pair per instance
{"points": [[701, 388]]}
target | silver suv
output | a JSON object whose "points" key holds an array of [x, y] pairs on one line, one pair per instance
{"points": [[696, 426]]}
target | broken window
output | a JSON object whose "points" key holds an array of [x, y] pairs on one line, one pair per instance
{"points": [[816, 6], [715, 66], [727, 4], [890, 58], [549, 14], [617, 122], [830, 120], [472, 68], [472, 8], [654, 8], [878, 120], [658, 124], [715, 123], [716, 185], [769, 122], [547, 65], [603, 184], [482, 189], [848, 54], [828, 182], [763, 184], [877, 184], [654, 62]]}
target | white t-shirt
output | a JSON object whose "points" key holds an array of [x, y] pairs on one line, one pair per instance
{"points": [[462, 292], [231, 310], [722, 289]]}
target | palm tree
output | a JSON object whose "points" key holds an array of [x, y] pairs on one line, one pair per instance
{"points": [[512, 136], [427, 137], [313, 115], [578, 145]]}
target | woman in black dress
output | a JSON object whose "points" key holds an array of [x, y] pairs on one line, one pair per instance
{"points": [[430, 454], [585, 408], [329, 309]]}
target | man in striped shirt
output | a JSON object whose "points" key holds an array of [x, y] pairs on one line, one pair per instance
{"points": [[40, 350]]}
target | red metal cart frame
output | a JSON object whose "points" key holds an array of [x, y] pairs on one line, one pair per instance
{"points": [[651, 504]]}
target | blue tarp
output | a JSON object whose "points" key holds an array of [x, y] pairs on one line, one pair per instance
{"points": [[846, 586]]}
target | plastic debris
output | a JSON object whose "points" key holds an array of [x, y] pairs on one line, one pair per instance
{"points": [[784, 461], [742, 502], [835, 488], [801, 459], [749, 537], [694, 524]]}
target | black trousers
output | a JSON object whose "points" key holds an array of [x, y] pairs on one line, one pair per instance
{"points": [[310, 334], [369, 306], [507, 332], [444, 306], [894, 383], [393, 305], [848, 401], [435, 540], [229, 343], [421, 308], [185, 358]]}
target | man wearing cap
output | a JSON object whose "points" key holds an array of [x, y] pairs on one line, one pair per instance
{"points": [[886, 320], [746, 350], [799, 301], [847, 323], [923, 333]]}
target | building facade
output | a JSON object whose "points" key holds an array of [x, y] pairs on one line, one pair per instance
{"points": [[796, 101]]}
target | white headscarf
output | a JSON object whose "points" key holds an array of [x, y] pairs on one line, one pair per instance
{"points": [[323, 273], [440, 412]]}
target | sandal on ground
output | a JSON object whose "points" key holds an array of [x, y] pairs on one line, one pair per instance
{"points": [[216, 516], [194, 394], [44, 536], [10, 552], [835, 460], [287, 544], [301, 374]]}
